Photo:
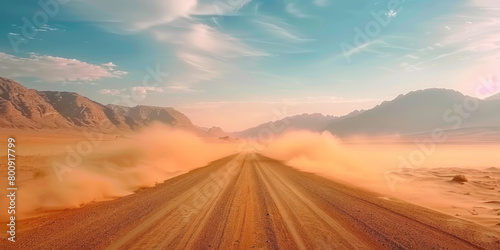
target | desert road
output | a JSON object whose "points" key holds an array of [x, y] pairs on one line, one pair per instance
{"points": [[249, 201]]}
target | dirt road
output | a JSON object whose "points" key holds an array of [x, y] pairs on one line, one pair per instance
{"points": [[249, 201]]}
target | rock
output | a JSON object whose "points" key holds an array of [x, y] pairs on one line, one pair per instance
{"points": [[460, 178]]}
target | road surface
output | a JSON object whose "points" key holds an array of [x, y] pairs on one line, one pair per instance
{"points": [[250, 201]]}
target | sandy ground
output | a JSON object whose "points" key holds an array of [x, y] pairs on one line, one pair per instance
{"points": [[57, 170], [249, 201], [37, 149], [429, 182], [476, 200]]}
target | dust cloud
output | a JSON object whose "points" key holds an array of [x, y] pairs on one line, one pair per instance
{"points": [[323, 154], [160, 153], [127, 165], [403, 170]]}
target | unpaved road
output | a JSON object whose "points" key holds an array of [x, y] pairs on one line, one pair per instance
{"points": [[249, 201]]}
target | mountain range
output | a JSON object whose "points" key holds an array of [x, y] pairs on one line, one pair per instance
{"points": [[421, 112], [416, 113], [25, 108], [313, 122]]}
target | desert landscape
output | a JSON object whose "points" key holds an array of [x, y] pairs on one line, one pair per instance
{"points": [[250, 124], [304, 189]]}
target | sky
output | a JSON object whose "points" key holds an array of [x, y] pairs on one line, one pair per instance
{"points": [[239, 63]]}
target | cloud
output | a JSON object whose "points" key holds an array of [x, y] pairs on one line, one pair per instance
{"points": [[179, 88], [360, 48], [140, 91], [220, 7], [293, 10], [207, 39], [133, 17], [109, 65], [479, 35], [204, 52], [198, 51], [55, 69], [475, 33], [110, 91], [408, 67], [206, 68], [280, 29], [46, 27], [321, 3], [143, 91]]}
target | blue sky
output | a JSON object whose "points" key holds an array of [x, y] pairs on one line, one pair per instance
{"points": [[237, 63]]}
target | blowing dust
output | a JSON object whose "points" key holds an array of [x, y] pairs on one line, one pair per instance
{"points": [[118, 169], [392, 169], [408, 171]]}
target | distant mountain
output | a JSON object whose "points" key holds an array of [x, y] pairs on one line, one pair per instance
{"points": [[217, 131], [312, 122], [420, 112], [493, 97], [21, 107], [415, 114], [146, 115]]}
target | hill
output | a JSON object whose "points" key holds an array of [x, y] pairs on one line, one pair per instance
{"points": [[420, 112], [25, 108]]}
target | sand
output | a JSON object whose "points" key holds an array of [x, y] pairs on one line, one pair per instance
{"points": [[476, 200], [249, 201], [58, 170]]}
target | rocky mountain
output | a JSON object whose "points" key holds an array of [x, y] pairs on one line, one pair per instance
{"points": [[83, 112], [421, 112], [146, 115], [25, 108], [415, 114]]}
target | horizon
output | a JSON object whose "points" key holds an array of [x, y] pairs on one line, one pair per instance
{"points": [[231, 64], [489, 91]]}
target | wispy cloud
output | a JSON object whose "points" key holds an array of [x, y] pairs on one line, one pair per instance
{"points": [[142, 91], [321, 3], [295, 11], [46, 27], [473, 35], [220, 7], [205, 52], [55, 69], [204, 68], [280, 29], [113, 92], [133, 17], [202, 52]]}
